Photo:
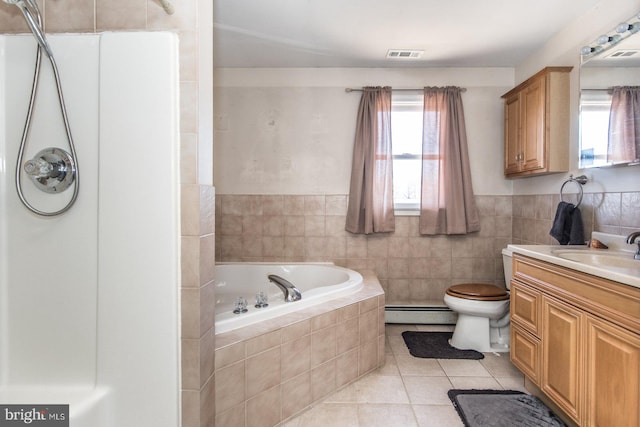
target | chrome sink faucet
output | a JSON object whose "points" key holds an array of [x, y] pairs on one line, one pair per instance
{"points": [[291, 293], [634, 238]]}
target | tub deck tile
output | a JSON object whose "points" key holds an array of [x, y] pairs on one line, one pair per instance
{"points": [[317, 351]]}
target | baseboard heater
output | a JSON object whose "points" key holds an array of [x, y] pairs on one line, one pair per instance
{"points": [[418, 314]]}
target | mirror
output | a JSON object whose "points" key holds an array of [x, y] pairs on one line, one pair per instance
{"points": [[609, 78]]}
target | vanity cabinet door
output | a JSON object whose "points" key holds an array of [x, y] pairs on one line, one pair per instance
{"points": [[613, 375], [561, 364]]}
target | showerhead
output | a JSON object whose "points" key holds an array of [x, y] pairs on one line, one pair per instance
{"points": [[31, 13]]}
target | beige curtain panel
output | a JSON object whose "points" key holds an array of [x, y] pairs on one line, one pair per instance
{"points": [[370, 207], [624, 125], [447, 203]]}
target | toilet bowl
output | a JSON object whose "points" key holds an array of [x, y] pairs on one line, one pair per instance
{"points": [[483, 313]]}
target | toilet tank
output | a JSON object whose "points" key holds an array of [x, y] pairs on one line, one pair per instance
{"points": [[508, 267]]}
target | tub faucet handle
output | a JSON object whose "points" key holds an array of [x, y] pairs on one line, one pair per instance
{"points": [[261, 300], [240, 305]]}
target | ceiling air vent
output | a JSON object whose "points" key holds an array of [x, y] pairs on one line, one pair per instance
{"points": [[404, 54], [623, 53]]}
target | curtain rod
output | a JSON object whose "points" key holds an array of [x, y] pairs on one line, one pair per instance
{"points": [[348, 90], [609, 89]]}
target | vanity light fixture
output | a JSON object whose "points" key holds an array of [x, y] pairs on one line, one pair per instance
{"points": [[624, 27], [623, 30], [604, 39], [589, 50]]}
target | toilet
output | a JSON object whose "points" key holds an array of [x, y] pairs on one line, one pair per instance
{"points": [[483, 313]]}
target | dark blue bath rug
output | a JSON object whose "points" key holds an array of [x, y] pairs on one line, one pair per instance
{"points": [[435, 345], [502, 408]]}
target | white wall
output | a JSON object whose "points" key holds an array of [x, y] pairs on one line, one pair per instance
{"points": [[564, 50], [290, 131]]}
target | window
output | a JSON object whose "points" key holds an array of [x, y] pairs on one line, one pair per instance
{"points": [[595, 106], [406, 136], [423, 131]]}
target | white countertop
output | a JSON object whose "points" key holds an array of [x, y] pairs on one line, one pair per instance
{"points": [[548, 253]]}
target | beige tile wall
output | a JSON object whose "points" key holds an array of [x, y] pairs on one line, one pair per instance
{"points": [[413, 269], [615, 213], [269, 373], [193, 22]]}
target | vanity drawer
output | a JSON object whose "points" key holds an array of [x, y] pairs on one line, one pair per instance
{"points": [[525, 307], [526, 353]]}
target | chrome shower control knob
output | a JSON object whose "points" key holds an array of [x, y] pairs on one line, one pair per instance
{"points": [[52, 170], [38, 168]]}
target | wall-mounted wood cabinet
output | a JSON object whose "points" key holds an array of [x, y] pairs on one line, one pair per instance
{"points": [[577, 337], [536, 124]]}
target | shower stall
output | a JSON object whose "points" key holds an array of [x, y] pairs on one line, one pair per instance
{"points": [[89, 299]]}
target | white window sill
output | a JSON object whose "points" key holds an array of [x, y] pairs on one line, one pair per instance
{"points": [[406, 212]]}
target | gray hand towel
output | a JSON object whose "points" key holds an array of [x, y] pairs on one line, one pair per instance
{"points": [[567, 225], [576, 234]]}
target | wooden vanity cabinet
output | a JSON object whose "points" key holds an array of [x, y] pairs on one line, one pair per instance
{"points": [[577, 337], [536, 124]]}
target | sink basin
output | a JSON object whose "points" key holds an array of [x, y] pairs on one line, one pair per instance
{"points": [[621, 261]]}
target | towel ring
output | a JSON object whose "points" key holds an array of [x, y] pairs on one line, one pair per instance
{"points": [[580, 181]]}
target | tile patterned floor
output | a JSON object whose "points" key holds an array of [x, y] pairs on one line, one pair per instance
{"points": [[409, 391]]}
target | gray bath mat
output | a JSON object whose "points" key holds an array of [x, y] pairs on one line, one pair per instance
{"points": [[502, 408], [435, 345]]}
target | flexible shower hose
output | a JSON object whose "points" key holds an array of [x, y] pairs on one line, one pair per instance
{"points": [[25, 137]]}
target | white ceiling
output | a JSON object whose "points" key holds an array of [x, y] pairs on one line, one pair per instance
{"points": [[358, 33]]}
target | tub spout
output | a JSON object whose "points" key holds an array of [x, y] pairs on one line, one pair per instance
{"points": [[291, 293]]}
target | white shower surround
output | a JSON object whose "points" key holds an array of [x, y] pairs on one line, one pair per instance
{"points": [[89, 301]]}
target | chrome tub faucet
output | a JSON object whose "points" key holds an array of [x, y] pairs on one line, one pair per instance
{"points": [[291, 293]]}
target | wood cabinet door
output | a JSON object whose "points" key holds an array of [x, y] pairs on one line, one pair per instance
{"points": [[561, 364], [613, 375], [533, 125], [512, 136]]}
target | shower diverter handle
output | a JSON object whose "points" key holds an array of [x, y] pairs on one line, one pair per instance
{"points": [[40, 168], [52, 170]]}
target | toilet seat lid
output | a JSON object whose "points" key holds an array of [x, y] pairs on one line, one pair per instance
{"points": [[478, 291]]}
